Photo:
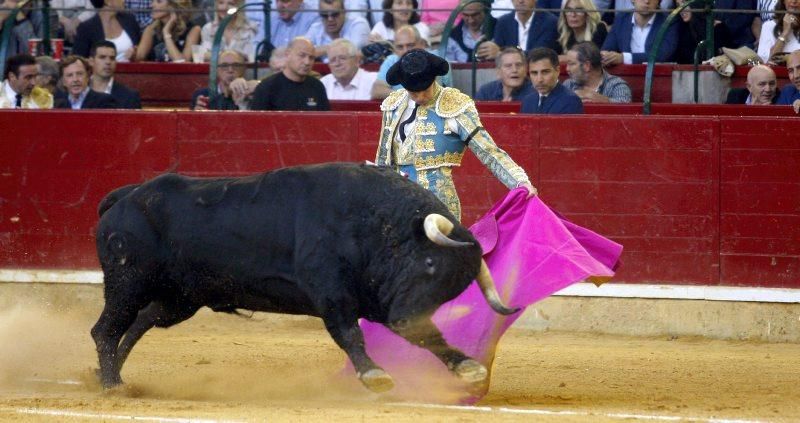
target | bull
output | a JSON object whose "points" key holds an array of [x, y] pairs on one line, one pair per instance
{"points": [[335, 241]]}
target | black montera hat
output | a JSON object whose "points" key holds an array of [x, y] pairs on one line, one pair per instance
{"points": [[417, 70]]}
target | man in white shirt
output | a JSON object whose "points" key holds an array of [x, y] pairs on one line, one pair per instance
{"points": [[347, 81], [103, 59], [19, 90], [335, 23], [524, 28], [633, 35]]}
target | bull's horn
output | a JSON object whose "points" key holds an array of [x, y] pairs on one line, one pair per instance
{"points": [[486, 283], [437, 227]]}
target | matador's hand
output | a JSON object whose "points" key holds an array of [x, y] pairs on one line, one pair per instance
{"points": [[531, 189]]}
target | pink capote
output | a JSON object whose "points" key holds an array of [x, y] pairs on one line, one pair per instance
{"points": [[531, 252]]}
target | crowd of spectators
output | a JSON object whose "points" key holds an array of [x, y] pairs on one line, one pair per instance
{"points": [[529, 42]]}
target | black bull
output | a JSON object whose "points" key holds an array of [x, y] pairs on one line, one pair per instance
{"points": [[337, 241]]}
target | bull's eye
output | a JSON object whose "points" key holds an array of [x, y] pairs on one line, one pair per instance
{"points": [[431, 268]]}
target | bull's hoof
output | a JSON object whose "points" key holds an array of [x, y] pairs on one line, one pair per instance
{"points": [[471, 371], [376, 380], [110, 382]]}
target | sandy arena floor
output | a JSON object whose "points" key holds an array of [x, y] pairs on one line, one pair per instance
{"points": [[219, 367]]}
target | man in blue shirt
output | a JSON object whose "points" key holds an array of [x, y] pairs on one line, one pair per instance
{"points": [[549, 97], [288, 21], [335, 23], [790, 94], [512, 82]]}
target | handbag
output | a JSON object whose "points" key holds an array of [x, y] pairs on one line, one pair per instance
{"points": [[722, 64], [742, 56], [376, 52]]}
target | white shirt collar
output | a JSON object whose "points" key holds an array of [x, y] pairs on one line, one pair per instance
{"points": [[526, 24], [353, 82], [649, 21], [108, 88], [523, 29], [9, 92]]}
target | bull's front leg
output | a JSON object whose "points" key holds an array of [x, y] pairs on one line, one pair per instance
{"points": [[348, 336], [422, 332]]}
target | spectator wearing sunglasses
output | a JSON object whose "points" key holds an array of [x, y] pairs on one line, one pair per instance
{"points": [[231, 65], [335, 23]]}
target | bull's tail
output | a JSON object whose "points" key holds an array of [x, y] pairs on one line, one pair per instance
{"points": [[113, 197]]}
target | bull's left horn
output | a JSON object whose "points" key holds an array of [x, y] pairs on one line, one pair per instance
{"points": [[437, 227], [486, 283]]}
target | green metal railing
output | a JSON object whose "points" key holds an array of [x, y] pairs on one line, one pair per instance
{"points": [[487, 28], [215, 47], [5, 35], [708, 6]]}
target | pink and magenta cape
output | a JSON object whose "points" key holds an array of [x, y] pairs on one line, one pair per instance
{"points": [[531, 252]]}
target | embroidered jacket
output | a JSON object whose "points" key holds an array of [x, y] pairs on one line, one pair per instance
{"points": [[39, 98], [442, 127]]}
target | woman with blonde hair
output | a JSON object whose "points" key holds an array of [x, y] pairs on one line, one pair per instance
{"points": [[170, 37], [579, 21], [239, 35]]}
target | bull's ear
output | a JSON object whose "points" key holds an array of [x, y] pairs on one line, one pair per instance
{"points": [[486, 232]]}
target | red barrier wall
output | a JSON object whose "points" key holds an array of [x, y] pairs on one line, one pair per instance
{"points": [[760, 201], [604, 109], [695, 200]]}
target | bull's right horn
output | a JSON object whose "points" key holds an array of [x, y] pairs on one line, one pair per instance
{"points": [[437, 227], [489, 291]]}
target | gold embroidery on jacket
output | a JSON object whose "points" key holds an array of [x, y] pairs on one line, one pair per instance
{"points": [[445, 190], [452, 103], [394, 99], [424, 145], [426, 128], [446, 159], [422, 179]]}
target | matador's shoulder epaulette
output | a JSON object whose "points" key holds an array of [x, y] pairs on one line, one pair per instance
{"points": [[452, 102], [395, 99]]}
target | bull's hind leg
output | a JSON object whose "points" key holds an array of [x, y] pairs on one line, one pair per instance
{"points": [[422, 332], [107, 332], [155, 314], [118, 315]]}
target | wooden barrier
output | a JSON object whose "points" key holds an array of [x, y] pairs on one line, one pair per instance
{"points": [[695, 200]]}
